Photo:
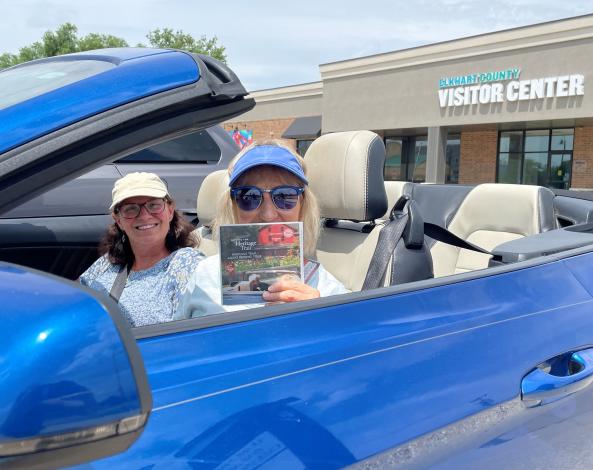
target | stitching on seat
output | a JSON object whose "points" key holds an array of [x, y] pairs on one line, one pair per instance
{"points": [[540, 210], [366, 179], [344, 172], [345, 167]]}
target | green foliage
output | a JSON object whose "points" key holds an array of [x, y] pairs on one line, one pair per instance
{"points": [[291, 262], [166, 38], [65, 40], [99, 41]]}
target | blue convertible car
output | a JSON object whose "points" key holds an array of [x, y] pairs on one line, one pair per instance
{"points": [[471, 348]]}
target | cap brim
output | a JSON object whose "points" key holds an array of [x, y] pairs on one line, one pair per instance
{"points": [[255, 163], [147, 192]]}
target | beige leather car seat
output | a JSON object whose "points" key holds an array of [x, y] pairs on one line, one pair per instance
{"points": [[394, 190], [489, 215], [345, 172], [212, 188]]}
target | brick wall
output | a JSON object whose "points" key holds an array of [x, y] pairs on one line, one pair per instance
{"points": [[477, 163], [582, 158], [265, 130]]}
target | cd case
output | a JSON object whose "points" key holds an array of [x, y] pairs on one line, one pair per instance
{"points": [[254, 256]]}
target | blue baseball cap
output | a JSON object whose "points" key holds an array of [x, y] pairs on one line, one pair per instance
{"points": [[268, 155]]}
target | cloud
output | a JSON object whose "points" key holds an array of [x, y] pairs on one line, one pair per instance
{"points": [[279, 43]]}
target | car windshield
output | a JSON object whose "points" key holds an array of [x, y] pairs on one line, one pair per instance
{"points": [[22, 83]]}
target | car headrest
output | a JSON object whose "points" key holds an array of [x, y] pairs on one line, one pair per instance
{"points": [[345, 172], [513, 208], [212, 188]]}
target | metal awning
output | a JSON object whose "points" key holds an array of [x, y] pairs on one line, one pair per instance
{"points": [[304, 128]]}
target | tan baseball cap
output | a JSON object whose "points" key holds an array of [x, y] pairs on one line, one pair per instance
{"points": [[137, 184]]}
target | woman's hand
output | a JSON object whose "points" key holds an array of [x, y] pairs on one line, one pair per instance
{"points": [[288, 289]]}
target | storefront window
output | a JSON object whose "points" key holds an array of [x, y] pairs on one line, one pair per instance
{"points": [[406, 158], [509, 168], [561, 140], [511, 141], [453, 152], [537, 141], [302, 146], [394, 170], [560, 169], [535, 168], [418, 169], [542, 157]]}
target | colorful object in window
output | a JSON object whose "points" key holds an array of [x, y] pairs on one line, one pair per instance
{"points": [[242, 138]]}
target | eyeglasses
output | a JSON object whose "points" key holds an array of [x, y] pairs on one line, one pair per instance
{"points": [[249, 198], [132, 210]]}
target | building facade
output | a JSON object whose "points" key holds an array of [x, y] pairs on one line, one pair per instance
{"points": [[512, 106]]}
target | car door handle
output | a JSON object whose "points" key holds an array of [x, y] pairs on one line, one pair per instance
{"points": [[540, 387]]}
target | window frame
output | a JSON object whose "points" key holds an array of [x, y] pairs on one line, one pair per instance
{"points": [[522, 153], [296, 145], [185, 135], [408, 156]]}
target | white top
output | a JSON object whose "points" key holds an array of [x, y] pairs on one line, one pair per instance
{"points": [[151, 295], [203, 294]]}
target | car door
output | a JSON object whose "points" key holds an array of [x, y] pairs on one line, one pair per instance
{"points": [[421, 376], [59, 231]]}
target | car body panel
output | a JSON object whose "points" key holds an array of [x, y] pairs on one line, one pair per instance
{"points": [[79, 380], [371, 374], [134, 77]]}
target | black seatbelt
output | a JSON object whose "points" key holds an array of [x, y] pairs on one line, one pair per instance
{"points": [[443, 235], [120, 282], [390, 234]]}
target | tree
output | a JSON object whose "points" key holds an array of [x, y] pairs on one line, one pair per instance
{"points": [[166, 38], [99, 41], [65, 40]]}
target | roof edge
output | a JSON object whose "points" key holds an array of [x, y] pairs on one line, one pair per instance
{"points": [[288, 92]]}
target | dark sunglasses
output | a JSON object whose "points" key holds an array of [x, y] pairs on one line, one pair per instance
{"points": [[249, 198], [132, 210]]}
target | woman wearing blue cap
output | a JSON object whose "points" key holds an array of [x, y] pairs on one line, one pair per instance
{"points": [[267, 183]]}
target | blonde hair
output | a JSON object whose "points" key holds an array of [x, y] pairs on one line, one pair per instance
{"points": [[310, 215]]}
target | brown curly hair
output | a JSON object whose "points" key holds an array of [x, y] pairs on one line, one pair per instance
{"points": [[120, 252]]}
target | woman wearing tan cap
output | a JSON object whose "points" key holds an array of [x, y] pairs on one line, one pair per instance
{"points": [[147, 252]]}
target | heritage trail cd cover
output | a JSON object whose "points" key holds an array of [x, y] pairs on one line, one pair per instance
{"points": [[254, 256]]}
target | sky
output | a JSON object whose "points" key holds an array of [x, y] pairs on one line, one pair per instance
{"points": [[274, 43]]}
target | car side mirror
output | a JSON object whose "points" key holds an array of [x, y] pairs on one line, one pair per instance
{"points": [[73, 386]]}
